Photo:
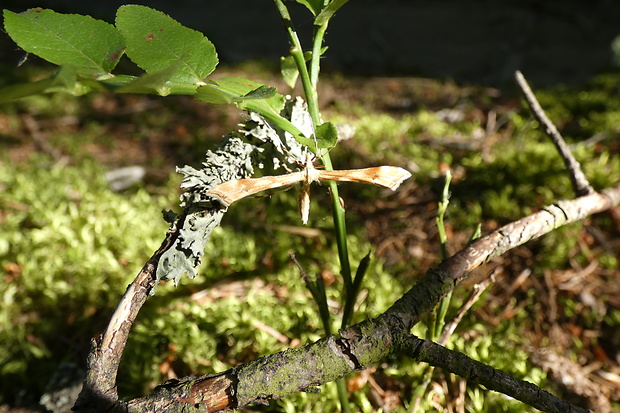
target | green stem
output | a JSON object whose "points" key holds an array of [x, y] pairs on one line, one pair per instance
{"points": [[337, 209], [309, 81], [438, 316], [297, 53], [340, 227], [343, 395], [315, 66]]}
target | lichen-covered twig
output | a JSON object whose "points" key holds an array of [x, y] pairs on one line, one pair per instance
{"points": [[277, 375], [364, 344], [181, 250]]}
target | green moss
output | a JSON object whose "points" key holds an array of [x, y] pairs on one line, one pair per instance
{"points": [[72, 247], [69, 248]]}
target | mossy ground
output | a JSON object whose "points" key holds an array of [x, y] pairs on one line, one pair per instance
{"points": [[69, 246]]}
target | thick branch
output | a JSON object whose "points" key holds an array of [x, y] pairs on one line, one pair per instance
{"points": [[288, 372], [277, 375]]}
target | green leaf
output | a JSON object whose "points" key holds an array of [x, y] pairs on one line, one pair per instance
{"points": [[64, 80], [261, 92], [289, 71], [159, 82], [314, 6], [156, 42], [326, 135], [328, 12], [236, 90], [240, 91], [93, 46]]}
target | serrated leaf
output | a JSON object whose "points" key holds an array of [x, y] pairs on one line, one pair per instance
{"points": [[326, 135], [155, 42], [93, 46]]}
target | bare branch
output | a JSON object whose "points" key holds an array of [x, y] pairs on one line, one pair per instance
{"points": [[99, 391], [581, 186], [364, 344], [479, 373]]}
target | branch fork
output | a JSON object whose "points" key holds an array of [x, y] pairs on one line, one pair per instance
{"points": [[277, 375]]}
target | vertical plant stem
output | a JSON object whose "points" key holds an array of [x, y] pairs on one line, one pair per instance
{"points": [[439, 315], [337, 209], [343, 395], [444, 304], [309, 81], [315, 60], [298, 56]]}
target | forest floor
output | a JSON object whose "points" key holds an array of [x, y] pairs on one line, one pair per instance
{"points": [[572, 311]]}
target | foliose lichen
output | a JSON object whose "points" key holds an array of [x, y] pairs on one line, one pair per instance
{"points": [[257, 143]]}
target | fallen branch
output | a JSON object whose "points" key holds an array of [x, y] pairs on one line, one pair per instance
{"points": [[364, 344], [302, 369]]}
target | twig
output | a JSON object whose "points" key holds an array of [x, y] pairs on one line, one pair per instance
{"points": [[479, 373], [99, 392], [471, 300], [366, 343], [581, 186]]}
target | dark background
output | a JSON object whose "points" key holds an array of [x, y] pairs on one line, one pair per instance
{"points": [[469, 41]]}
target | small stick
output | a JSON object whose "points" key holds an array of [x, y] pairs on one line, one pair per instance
{"points": [[471, 300], [580, 183]]}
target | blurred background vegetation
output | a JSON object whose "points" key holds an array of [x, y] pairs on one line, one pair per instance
{"points": [[69, 245]]}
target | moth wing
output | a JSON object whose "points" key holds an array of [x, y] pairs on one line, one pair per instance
{"points": [[236, 189], [385, 176]]}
